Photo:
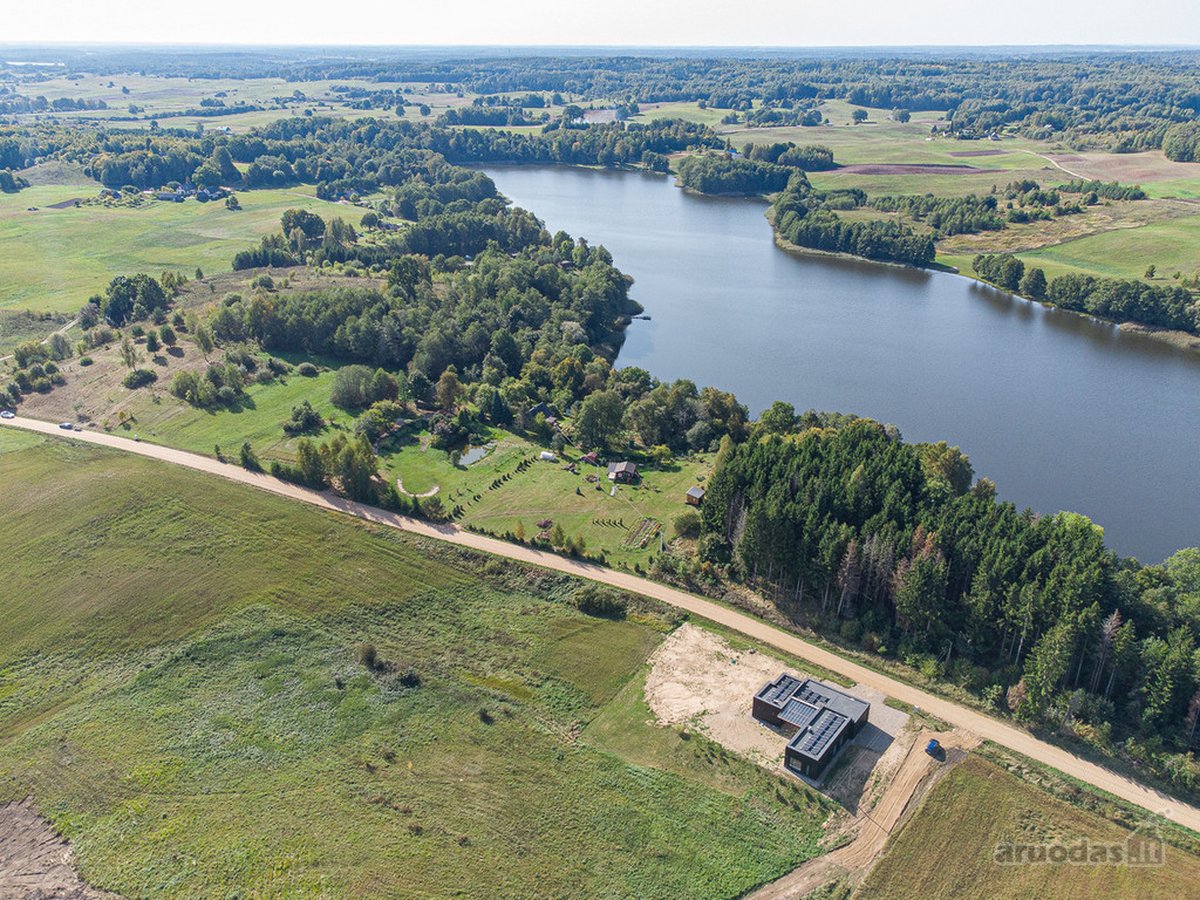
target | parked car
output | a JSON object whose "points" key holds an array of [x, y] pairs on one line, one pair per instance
{"points": [[65, 426], [7, 414]]}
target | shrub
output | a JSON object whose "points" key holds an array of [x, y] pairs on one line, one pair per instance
{"points": [[368, 656], [304, 419], [85, 360], [307, 369], [250, 458], [687, 523], [139, 378], [596, 601]]}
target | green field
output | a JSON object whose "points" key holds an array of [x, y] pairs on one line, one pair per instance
{"points": [[947, 848], [180, 692], [1111, 240], [1171, 246], [57, 258], [156, 96]]}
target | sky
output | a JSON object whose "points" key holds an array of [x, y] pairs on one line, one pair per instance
{"points": [[757, 23]]}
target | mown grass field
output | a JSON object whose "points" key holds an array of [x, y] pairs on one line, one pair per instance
{"points": [[180, 692], [947, 848], [56, 258]]}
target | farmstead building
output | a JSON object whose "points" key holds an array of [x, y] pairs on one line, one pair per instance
{"points": [[824, 720], [623, 472]]}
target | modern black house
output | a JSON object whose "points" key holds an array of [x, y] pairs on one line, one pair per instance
{"points": [[824, 719]]}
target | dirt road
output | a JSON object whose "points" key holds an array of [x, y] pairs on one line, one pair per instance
{"points": [[979, 724], [860, 854]]}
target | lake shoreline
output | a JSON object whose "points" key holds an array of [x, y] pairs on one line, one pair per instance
{"points": [[1028, 394]]}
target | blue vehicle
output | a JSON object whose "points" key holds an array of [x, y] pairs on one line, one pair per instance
{"points": [[934, 749]]}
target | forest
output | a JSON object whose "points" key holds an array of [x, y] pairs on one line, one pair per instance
{"points": [[1119, 101], [895, 548], [805, 217]]}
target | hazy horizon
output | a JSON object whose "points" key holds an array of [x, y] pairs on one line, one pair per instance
{"points": [[770, 24]]}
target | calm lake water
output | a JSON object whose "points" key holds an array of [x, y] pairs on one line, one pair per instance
{"points": [[1060, 411]]}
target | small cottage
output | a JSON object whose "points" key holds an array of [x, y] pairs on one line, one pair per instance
{"points": [[695, 495], [622, 472]]}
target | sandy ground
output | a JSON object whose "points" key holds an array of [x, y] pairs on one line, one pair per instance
{"points": [[697, 679], [986, 727], [35, 863]]}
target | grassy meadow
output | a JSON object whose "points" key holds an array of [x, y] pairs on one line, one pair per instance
{"points": [[60, 257], [180, 690], [947, 848]]}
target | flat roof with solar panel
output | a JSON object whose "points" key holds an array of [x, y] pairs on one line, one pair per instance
{"points": [[823, 718]]}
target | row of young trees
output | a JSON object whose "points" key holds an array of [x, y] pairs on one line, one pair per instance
{"points": [[1118, 299]]}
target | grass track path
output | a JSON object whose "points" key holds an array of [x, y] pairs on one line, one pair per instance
{"points": [[976, 723]]}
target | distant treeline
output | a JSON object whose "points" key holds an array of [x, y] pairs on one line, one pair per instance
{"points": [[13, 104], [481, 115], [344, 158], [1120, 101], [1107, 190]]}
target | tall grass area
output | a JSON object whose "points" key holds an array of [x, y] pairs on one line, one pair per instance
{"points": [[183, 691], [947, 848]]}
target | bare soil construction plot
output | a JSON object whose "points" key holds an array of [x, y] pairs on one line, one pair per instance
{"points": [[697, 678], [35, 862]]}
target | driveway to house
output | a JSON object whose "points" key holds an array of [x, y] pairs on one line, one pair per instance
{"points": [[979, 724]]}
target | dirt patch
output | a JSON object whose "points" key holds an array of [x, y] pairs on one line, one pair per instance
{"points": [[978, 152], [696, 678], [912, 169], [421, 496], [36, 863], [1129, 168], [64, 204]]}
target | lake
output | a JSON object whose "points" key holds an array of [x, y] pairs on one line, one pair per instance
{"points": [[1062, 412]]}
